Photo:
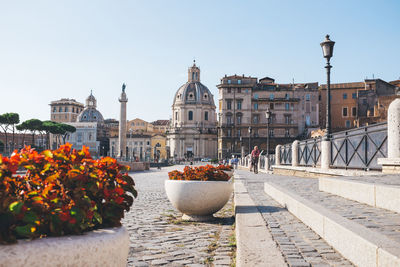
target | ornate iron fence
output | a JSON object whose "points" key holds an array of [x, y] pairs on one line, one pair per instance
{"points": [[359, 148], [286, 154], [309, 152]]}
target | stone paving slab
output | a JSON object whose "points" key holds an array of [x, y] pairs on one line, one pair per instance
{"points": [[388, 179], [160, 238], [299, 245]]}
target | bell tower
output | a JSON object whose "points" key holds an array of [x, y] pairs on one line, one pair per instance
{"points": [[194, 73]]}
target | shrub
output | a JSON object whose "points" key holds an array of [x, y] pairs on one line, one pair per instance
{"points": [[63, 192], [225, 167], [201, 173]]}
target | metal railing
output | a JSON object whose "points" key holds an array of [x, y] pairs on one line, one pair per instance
{"points": [[286, 154], [359, 148], [352, 149], [309, 152]]}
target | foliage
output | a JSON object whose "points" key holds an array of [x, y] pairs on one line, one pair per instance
{"points": [[7, 122], [63, 192], [201, 173], [225, 167]]}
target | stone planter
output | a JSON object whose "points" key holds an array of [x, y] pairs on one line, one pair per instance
{"points": [[230, 173], [103, 247], [198, 200]]}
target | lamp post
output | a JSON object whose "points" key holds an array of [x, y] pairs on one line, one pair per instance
{"points": [[250, 139], [327, 50], [268, 116]]}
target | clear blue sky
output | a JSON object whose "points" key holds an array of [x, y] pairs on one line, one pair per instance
{"points": [[63, 49]]}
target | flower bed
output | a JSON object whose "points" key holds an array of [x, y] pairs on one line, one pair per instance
{"points": [[63, 192], [201, 173]]}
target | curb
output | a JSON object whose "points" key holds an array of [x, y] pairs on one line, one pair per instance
{"points": [[254, 243]]}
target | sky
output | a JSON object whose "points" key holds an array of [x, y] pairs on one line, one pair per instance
{"points": [[63, 49]]}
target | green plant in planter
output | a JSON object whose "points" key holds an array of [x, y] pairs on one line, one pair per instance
{"points": [[63, 192]]}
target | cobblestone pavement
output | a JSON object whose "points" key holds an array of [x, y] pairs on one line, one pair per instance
{"points": [[300, 245], [159, 237], [379, 220]]}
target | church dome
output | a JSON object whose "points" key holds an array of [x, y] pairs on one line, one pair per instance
{"points": [[194, 92], [90, 113]]}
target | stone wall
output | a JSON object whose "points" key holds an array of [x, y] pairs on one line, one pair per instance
{"points": [[137, 166]]}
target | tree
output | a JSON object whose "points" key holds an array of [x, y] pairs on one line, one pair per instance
{"points": [[67, 130], [7, 122], [33, 125]]}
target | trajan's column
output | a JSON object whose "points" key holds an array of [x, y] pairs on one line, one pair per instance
{"points": [[122, 124]]}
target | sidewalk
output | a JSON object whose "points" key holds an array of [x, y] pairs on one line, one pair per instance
{"points": [[280, 235]]}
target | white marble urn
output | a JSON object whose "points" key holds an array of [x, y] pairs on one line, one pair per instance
{"points": [[103, 247], [198, 200]]}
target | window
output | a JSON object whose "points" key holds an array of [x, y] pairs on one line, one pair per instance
{"points": [[79, 135], [229, 90], [255, 106], [313, 108], [319, 97], [205, 96], [136, 143], [271, 132], [239, 81], [228, 104], [271, 105], [66, 109], [60, 109], [308, 120], [271, 96], [239, 104], [256, 119], [344, 112], [354, 95], [255, 132], [239, 90], [354, 111], [190, 95], [255, 96], [90, 136], [229, 132], [148, 143], [287, 96], [229, 81], [288, 119], [206, 116], [344, 96], [287, 106], [287, 133], [190, 115], [176, 117], [54, 109], [348, 124], [229, 119], [73, 109], [239, 132], [307, 97], [239, 119], [141, 143]]}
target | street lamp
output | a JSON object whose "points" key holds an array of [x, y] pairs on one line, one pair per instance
{"points": [[327, 50], [268, 117], [250, 139]]}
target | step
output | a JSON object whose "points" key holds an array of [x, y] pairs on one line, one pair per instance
{"points": [[382, 192], [367, 236]]}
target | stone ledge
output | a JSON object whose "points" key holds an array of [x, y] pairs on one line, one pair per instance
{"points": [[255, 246], [390, 165], [355, 242], [317, 172], [376, 195]]}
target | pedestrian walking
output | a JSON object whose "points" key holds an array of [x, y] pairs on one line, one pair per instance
{"points": [[255, 154]]}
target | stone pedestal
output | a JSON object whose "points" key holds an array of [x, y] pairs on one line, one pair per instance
{"points": [[325, 154], [391, 164], [295, 153], [278, 155]]}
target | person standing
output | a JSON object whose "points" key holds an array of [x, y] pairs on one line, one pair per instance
{"points": [[255, 154]]}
